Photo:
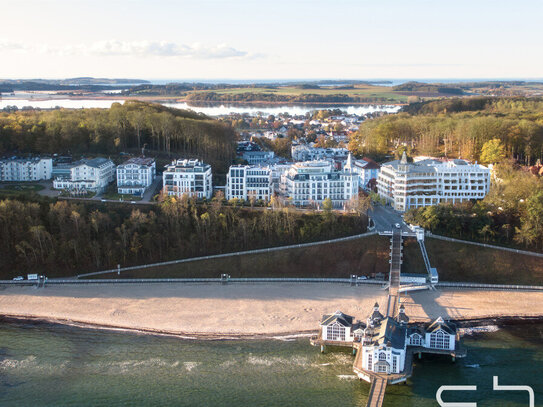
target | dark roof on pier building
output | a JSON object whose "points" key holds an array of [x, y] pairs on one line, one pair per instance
{"points": [[439, 323], [390, 333], [343, 319]]}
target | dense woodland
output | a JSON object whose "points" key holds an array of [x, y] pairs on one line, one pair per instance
{"points": [[169, 132], [65, 238], [457, 128], [511, 214]]}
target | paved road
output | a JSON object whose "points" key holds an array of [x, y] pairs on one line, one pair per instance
{"points": [[148, 195], [385, 217]]}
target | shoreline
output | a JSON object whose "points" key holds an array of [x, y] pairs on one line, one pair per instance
{"points": [[500, 322], [251, 311], [178, 99]]}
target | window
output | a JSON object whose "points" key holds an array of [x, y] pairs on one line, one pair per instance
{"points": [[382, 356], [415, 340], [394, 364], [439, 340], [370, 361], [335, 332]]}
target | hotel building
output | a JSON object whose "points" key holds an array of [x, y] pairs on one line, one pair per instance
{"points": [[190, 177], [311, 182], [430, 181], [135, 175], [248, 182], [26, 169], [87, 175]]}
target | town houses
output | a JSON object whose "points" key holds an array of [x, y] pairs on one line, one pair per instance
{"points": [[430, 181]]}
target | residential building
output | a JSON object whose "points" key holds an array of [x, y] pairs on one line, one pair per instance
{"points": [[304, 152], [253, 153], [431, 181], [26, 169], [135, 175], [87, 175], [248, 182], [311, 182], [191, 177], [367, 170]]}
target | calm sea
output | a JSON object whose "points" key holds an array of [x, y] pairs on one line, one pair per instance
{"points": [[51, 365]]}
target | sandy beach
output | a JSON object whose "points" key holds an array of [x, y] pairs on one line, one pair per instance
{"points": [[246, 310]]}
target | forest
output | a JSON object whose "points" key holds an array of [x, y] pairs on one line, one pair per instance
{"points": [[456, 128], [127, 127], [511, 214], [60, 238]]}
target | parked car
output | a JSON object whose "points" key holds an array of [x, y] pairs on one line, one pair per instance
{"points": [[362, 277], [398, 226], [18, 278]]}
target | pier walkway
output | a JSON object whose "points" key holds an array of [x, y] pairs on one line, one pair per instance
{"points": [[377, 392], [379, 382], [394, 277]]}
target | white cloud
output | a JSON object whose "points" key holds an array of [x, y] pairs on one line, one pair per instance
{"points": [[133, 49]]}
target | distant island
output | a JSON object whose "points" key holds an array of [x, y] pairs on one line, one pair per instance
{"points": [[337, 92]]}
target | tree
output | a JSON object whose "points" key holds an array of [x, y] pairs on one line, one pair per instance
{"points": [[327, 209], [492, 151]]}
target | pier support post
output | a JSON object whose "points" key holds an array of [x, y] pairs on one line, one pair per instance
{"points": [[354, 350], [420, 355], [323, 348], [453, 358]]}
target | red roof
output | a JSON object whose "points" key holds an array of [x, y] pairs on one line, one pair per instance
{"points": [[371, 165]]}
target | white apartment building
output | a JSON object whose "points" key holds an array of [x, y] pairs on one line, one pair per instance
{"points": [[191, 177], [311, 182], [87, 175], [26, 169], [367, 170], [429, 182], [304, 152], [135, 175], [248, 182]]}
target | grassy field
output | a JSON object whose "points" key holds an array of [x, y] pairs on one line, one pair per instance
{"points": [[365, 256], [412, 257], [366, 91], [464, 262], [14, 190]]}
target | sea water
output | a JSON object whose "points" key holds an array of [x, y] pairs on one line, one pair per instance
{"points": [[54, 365]]}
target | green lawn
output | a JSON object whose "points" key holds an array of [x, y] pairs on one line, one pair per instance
{"points": [[121, 197]]}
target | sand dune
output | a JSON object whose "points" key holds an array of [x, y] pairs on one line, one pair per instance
{"points": [[246, 309]]}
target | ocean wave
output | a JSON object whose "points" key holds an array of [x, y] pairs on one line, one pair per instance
{"points": [[479, 329], [347, 376], [274, 360], [18, 364]]}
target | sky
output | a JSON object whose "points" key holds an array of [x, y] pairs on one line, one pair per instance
{"points": [[260, 39]]}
